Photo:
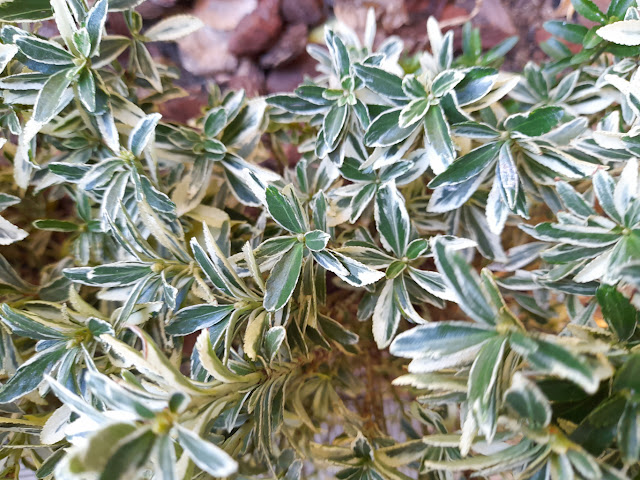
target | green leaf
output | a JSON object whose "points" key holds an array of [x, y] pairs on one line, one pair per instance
{"points": [[9, 233], [87, 89], [618, 312], [130, 456], [438, 137], [629, 433], [475, 130], [7, 52], [337, 332], [536, 122], [111, 275], [499, 52], [31, 373], [96, 19], [215, 121], [604, 188], [385, 130], [483, 379], [416, 248], [440, 339], [395, 269], [316, 240], [283, 279], [380, 81], [571, 32], [205, 455], [575, 234], [476, 84], [50, 96], [445, 81], [469, 165], [412, 87], [43, 51], [146, 66], [618, 8], [166, 454], [18, 11], [48, 466], [628, 376], [357, 274], [386, 316], [82, 42], [197, 317], [392, 219], [589, 10], [574, 202], [526, 399], [413, 112], [55, 225], [507, 173], [32, 326], [273, 341], [294, 104], [286, 210], [555, 360], [338, 52], [464, 281], [143, 133], [333, 123]]}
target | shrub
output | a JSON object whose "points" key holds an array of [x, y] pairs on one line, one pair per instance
{"points": [[201, 307]]}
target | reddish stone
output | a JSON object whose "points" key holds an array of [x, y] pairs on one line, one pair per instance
{"points": [[257, 31], [207, 51], [495, 23], [289, 46], [308, 12], [248, 77], [287, 78], [223, 14], [155, 8], [185, 108]]}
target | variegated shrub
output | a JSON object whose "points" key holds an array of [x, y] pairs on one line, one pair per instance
{"points": [[442, 285]]}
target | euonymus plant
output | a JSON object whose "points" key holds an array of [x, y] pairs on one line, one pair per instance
{"points": [[412, 267]]}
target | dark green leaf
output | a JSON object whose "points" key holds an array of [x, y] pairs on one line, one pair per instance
{"points": [[283, 279], [589, 10], [31, 373], [617, 310], [197, 317], [468, 165]]}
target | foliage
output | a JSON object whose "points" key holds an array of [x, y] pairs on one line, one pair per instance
{"points": [[184, 301]]}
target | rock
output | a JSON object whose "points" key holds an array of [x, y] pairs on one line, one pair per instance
{"points": [[257, 31], [391, 14], [248, 77], [155, 8], [495, 23], [185, 108], [207, 51], [288, 77], [289, 46], [308, 12], [223, 14]]}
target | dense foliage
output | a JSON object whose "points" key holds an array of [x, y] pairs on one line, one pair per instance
{"points": [[203, 305]]}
